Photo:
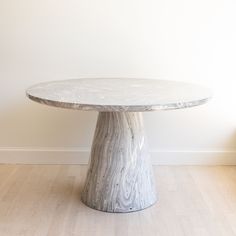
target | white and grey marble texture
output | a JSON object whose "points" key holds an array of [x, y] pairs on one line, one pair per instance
{"points": [[119, 178], [119, 94]]}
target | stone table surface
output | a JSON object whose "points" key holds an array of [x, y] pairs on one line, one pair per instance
{"points": [[119, 94]]}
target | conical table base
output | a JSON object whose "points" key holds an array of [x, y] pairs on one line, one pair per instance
{"points": [[120, 177]]}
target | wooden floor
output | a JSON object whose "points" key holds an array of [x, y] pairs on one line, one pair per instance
{"points": [[45, 200]]}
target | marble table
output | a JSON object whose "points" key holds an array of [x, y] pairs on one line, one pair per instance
{"points": [[119, 178]]}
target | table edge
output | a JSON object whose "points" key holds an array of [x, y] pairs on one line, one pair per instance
{"points": [[119, 108]]}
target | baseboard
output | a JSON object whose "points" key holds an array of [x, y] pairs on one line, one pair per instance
{"points": [[81, 156]]}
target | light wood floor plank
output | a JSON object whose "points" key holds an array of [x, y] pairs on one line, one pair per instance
{"points": [[40, 200]]}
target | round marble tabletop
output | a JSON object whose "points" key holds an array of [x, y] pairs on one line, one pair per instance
{"points": [[119, 94]]}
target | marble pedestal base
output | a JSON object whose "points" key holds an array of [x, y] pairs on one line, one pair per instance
{"points": [[120, 177]]}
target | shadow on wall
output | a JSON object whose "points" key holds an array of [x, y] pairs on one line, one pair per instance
{"points": [[230, 143], [228, 157], [28, 124]]}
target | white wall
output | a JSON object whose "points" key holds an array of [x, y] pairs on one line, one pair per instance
{"points": [[183, 40]]}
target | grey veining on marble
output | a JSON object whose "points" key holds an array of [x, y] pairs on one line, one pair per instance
{"points": [[120, 177], [119, 94]]}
